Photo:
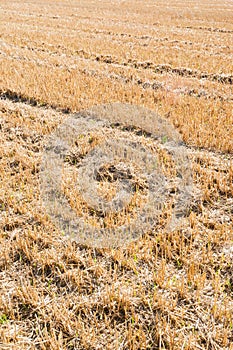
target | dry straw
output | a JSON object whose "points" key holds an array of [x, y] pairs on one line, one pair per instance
{"points": [[108, 173]]}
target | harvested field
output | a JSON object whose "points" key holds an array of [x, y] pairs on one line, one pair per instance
{"points": [[168, 289]]}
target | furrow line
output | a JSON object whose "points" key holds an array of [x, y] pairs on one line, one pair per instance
{"points": [[154, 84], [17, 97], [166, 68]]}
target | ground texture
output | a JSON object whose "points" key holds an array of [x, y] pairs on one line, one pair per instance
{"points": [[167, 290]]}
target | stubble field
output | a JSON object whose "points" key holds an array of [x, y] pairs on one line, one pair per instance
{"points": [[167, 290]]}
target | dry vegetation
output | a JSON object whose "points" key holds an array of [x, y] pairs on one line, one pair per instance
{"points": [[167, 290]]}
